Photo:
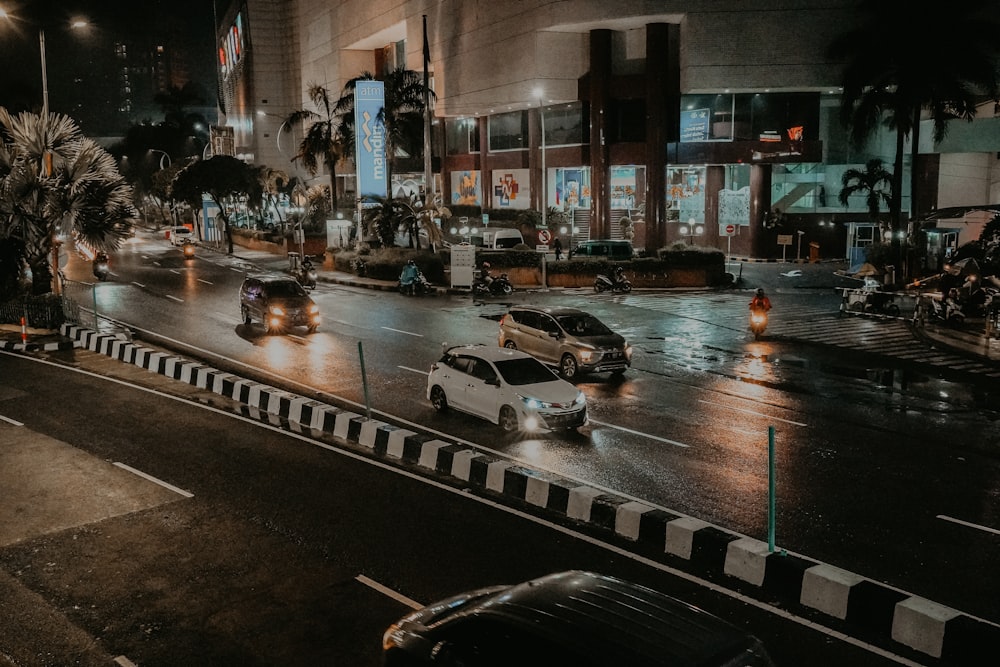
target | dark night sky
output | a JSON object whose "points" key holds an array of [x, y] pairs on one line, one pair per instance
{"points": [[81, 68]]}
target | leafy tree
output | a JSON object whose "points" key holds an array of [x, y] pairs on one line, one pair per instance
{"points": [[54, 181], [221, 177], [942, 62], [989, 239], [322, 144], [874, 182], [389, 215]]}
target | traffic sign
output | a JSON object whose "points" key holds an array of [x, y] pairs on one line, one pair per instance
{"points": [[544, 236], [727, 229]]}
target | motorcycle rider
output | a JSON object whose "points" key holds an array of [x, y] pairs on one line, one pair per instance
{"points": [[484, 274], [760, 301], [409, 276], [619, 275], [100, 264]]}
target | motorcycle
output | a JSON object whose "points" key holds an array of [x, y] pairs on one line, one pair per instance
{"points": [[499, 286], [758, 322], [619, 283], [415, 285], [307, 276], [101, 268], [188, 250], [947, 310]]}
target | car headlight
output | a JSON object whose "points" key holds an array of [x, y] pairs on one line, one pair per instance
{"points": [[580, 399], [534, 403], [628, 351], [277, 310], [314, 309], [586, 355]]}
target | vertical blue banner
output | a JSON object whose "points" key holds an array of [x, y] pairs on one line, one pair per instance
{"points": [[369, 98]]}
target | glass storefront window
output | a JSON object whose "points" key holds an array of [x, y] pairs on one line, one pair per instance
{"points": [[509, 131], [564, 125], [572, 188], [686, 194], [461, 136], [749, 116]]}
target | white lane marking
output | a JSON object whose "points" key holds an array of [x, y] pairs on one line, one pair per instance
{"points": [[751, 412], [970, 525], [408, 333], [413, 370], [156, 263], [122, 661], [11, 421], [388, 592], [138, 284], [201, 280], [236, 269], [640, 433], [175, 271], [186, 494], [169, 296]]}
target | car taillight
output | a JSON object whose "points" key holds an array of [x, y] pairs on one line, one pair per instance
{"points": [[503, 318]]}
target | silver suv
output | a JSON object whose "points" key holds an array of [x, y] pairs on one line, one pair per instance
{"points": [[570, 339]]}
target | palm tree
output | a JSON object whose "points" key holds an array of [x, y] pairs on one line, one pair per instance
{"points": [[54, 181], [942, 62], [322, 144], [401, 114], [874, 182]]}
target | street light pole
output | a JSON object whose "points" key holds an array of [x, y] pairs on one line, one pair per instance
{"points": [[541, 117], [45, 76]]}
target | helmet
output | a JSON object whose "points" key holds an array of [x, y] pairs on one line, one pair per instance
{"points": [[410, 262], [486, 265], [760, 291]]}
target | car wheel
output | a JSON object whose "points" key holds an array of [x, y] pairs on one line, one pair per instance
{"points": [[568, 367], [438, 399], [311, 330], [246, 315], [510, 345], [507, 289], [598, 287], [508, 419], [627, 288], [892, 310]]}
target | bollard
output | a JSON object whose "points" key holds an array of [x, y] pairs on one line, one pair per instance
{"points": [[24, 330]]}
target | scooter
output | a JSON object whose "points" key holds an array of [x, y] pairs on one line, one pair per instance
{"points": [[307, 276], [499, 286], [417, 285], [188, 250], [619, 283], [758, 322]]}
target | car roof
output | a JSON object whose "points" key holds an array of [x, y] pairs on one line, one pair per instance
{"points": [[489, 352], [270, 278], [607, 618]]}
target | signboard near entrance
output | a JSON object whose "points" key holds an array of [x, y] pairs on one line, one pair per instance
{"points": [[727, 229]]}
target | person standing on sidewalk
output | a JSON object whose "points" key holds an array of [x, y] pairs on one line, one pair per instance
{"points": [[557, 246]]}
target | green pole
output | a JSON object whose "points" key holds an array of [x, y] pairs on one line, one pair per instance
{"points": [[770, 489], [364, 381], [97, 319]]}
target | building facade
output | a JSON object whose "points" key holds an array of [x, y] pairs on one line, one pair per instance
{"points": [[711, 122]]}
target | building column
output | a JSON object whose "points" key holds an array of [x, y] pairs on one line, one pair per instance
{"points": [[662, 123], [715, 180], [485, 176], [600, 95]]}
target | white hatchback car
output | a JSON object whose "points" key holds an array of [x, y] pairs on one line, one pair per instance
{"points": [[181, 235], [507, 387]]}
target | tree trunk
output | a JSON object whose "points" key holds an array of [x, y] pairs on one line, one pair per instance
{"points": [[332, 166]]}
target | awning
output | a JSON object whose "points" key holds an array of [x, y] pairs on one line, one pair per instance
{"points": [[958, 212]]}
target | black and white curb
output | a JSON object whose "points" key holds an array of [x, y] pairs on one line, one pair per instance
{"points": [[48, 346], [875, 609]]}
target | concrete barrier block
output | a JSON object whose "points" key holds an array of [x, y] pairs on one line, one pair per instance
{"points": [[581, 500], [429, 453], [746, 559], [628, 517], [369, 431], [828, 589], [495, 474], [462, 465], [343, 424], [680, 536], [537, 492], [397, 440], [920, 624]]}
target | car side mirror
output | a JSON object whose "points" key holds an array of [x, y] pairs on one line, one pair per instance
{"points": [[555, 334], [493, 382]]}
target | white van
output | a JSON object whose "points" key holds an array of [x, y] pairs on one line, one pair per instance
{"points": [[502, 239], [180, 235]]}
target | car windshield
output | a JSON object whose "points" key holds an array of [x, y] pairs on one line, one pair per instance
{"points": [[583, 325], [284, 288], [525, 371]]}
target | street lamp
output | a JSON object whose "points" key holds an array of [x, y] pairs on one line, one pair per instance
{"points": [[165, 156], [76, 24], [541, 117]]}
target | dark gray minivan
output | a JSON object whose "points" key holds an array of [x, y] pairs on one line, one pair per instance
{"points": [[569, 618]]}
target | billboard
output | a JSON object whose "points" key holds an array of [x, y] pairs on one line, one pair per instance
{"points": [[370, 158]]}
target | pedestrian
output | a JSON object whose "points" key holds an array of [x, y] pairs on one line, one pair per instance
{"points": [[557, 246]]}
